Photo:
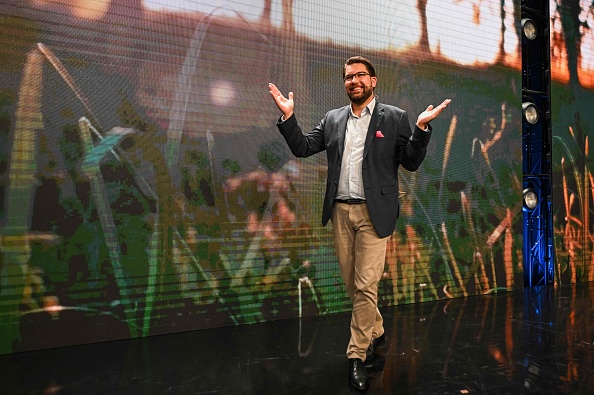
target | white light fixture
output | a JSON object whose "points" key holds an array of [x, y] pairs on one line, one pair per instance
{"points": [[529, 28], [530, 112], [530, 198]]}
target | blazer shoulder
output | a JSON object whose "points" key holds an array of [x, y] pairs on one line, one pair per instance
{"points": [[337, 112], [390, 108]]}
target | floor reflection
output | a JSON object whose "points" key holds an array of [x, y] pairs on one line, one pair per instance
{"points": [[536, 341]]}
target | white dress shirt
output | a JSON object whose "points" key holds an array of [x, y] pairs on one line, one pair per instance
{"points": [[350, 185]]}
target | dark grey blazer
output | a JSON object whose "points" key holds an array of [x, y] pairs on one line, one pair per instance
{"points": [[381, 157]]}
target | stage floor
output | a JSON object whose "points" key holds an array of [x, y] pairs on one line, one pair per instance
{"points": [[538, 341]]}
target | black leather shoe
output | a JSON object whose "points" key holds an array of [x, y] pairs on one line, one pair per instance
{"points": [[358, 375], [375, 344]]}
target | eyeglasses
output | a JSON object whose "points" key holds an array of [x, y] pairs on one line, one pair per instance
{"points": [[359, 75]]}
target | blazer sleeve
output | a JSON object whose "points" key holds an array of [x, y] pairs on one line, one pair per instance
{"points": [[412, 144], [302, 145]]}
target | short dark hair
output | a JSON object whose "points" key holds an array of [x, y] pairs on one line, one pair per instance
{"points": [[359, 59]]}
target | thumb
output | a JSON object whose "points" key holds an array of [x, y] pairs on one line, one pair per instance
{"points": [[290, 95], [430, 107]]}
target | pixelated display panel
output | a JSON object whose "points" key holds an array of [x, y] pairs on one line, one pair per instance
{"points": [[146, 189]]}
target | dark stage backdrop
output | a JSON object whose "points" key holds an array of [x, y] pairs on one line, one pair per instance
{"points": [[572, 101], [146, 189]]}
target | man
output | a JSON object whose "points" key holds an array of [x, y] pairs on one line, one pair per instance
{"points": [[365, 143]]}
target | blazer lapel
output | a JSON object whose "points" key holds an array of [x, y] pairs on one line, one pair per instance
{"points": [[342, 124], [374, 125]]}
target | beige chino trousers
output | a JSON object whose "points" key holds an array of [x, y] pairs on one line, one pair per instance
{"points": [[361, 256]]}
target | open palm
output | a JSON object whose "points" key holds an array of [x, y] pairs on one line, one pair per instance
{"points": [[286, 105], [431, 113]]}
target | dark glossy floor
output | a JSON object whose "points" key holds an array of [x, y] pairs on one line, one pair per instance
{"points": [[534, 342]]}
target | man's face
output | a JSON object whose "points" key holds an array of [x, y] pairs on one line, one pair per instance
{"points": [[359, 88]]}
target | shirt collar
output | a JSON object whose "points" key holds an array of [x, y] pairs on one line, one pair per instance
{"points": [[370, 107]]}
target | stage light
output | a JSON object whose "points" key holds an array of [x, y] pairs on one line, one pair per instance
{"points": [[530, 198], [530, 112], [529, 28]]}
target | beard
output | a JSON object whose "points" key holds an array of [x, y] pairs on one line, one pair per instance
{"points": [[362, 96]]}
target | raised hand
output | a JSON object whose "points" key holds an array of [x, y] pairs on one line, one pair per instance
{"points": [[431, 113], [285, 105]]}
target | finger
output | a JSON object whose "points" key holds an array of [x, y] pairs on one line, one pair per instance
{"points": [[277, 95], [274, 90], [290, 95], [443, 105]]}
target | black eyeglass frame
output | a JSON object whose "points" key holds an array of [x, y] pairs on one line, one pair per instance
{"points": [[359, 75]]}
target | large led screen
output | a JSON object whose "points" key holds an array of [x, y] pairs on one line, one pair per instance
{"points": [[147, 190]]}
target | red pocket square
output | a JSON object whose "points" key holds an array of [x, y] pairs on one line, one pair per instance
{"points": [[379, 134]]}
